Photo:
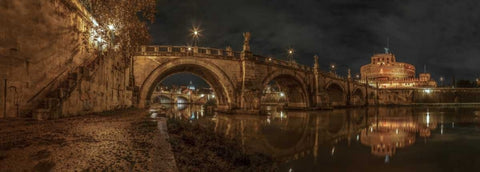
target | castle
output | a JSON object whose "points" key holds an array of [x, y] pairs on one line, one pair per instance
{"points": [[385, 72]]}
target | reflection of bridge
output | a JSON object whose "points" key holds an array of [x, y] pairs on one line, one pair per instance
{"points": [[239, 78], [286, 136], [291, 135]]}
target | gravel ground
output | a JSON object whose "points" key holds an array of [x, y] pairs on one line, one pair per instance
{"points": [[115, 141]]}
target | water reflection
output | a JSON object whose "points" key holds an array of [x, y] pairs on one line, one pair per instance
{"points": [[319, 137]]}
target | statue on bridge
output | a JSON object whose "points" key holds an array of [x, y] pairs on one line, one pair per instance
{"points": [[246, 42]]}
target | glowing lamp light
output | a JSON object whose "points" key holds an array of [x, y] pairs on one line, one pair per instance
{"points": [[282, 94], [111, 27], [428, 91], [189, 48], [195, 32]]}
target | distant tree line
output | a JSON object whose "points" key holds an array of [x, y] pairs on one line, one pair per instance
{"points": [[465, 84]]}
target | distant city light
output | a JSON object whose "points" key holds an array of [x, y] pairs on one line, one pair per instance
{"points": [[428, 91]]}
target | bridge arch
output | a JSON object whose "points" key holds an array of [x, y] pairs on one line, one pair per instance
{"points": [[182, 99], [358, 97], [212, 74], [294, 85], [161, 99], [336, 93]]}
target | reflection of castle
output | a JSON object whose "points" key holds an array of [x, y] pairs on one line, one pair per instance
{"points": [[387, 133], [385, 71]]}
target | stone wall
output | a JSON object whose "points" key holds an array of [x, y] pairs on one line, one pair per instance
{"points": [[43, 41], [428, 96]]}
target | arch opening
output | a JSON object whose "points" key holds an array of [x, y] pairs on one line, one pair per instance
{"points": [[336, 95], [220, 86], [358, 98], [284, 90], [183, 88]]}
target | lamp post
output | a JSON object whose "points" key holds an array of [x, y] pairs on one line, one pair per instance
{"points": [[332, 68], [195, 35], [291, 52], [441, 81]]}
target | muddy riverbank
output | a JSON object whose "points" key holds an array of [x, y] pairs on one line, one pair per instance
{"points": [[115, 141]]}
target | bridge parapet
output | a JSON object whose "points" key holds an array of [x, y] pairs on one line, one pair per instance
{"points": [[168, 50], [206, 52]]}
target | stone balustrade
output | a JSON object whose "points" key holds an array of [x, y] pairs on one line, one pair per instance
{"points": [[205, 52]]}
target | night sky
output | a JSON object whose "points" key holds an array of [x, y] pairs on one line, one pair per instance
{"points": [[442, 34]]}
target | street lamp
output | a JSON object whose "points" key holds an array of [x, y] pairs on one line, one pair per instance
{"points": [[332, 68], [196, 33], [111, 27], [441, 80], [291, 51]]}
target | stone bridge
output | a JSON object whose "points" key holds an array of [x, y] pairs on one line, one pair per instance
{"points": [[241, 77], [173, 97]]}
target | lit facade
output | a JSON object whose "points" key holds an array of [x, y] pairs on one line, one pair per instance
{"points": [[385, 72]]}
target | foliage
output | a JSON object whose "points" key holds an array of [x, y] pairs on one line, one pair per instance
{"points": [[123, 23]]}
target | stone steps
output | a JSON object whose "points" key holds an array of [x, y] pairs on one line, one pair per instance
{"points": [[50, 106]]}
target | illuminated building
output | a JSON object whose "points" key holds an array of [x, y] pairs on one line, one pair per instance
{"points": [[191, 86], [385, 72]]}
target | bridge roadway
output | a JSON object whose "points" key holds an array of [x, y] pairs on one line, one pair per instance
{"points": [[239, 78]]}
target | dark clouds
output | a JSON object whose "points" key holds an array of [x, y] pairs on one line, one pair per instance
{"points": [[443, 34]]}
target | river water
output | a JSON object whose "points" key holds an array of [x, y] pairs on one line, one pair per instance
{"points": [[362, 139]]}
